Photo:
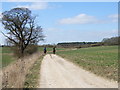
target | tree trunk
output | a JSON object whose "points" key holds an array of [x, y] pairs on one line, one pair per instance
{"points": [[21, 51]]}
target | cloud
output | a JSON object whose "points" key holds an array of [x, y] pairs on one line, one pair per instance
{"points": [[36, 6], [97, 35], [79, 19], [2, 37], [113, 17], [53, 29], [107, 33], [0, 16]]}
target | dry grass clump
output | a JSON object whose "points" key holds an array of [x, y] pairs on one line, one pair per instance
{"points": [[33, 76], [13, 76]]}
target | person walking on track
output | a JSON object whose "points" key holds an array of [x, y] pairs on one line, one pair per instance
{"points": [[54, 50], [45, 50]]}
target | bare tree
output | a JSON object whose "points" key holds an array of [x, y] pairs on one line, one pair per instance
{"points": [[21, 28]]}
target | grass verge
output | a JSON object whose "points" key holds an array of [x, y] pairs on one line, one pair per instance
{"points": [[102, 60], [7, 59], [7, 56], [33, 75]]}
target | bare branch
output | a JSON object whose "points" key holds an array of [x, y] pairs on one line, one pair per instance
{"points": [[9, 38]]}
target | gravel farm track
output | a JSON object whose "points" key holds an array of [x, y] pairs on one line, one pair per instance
{"points": [[57, 72]]}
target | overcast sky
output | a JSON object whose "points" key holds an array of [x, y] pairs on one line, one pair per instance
{"points": [[72, 21]]}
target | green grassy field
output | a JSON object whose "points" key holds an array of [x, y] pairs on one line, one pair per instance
{"points": [[7, 56], [101, 60]]}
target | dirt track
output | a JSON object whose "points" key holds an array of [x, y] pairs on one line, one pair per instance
{"points": [[59, 73]]}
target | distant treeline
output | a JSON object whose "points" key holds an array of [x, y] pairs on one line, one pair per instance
{"points": [[111, 41], [105, 41], [76, 43]]}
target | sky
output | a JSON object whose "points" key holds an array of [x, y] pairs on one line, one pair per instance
{"points": [[72, 21]]}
